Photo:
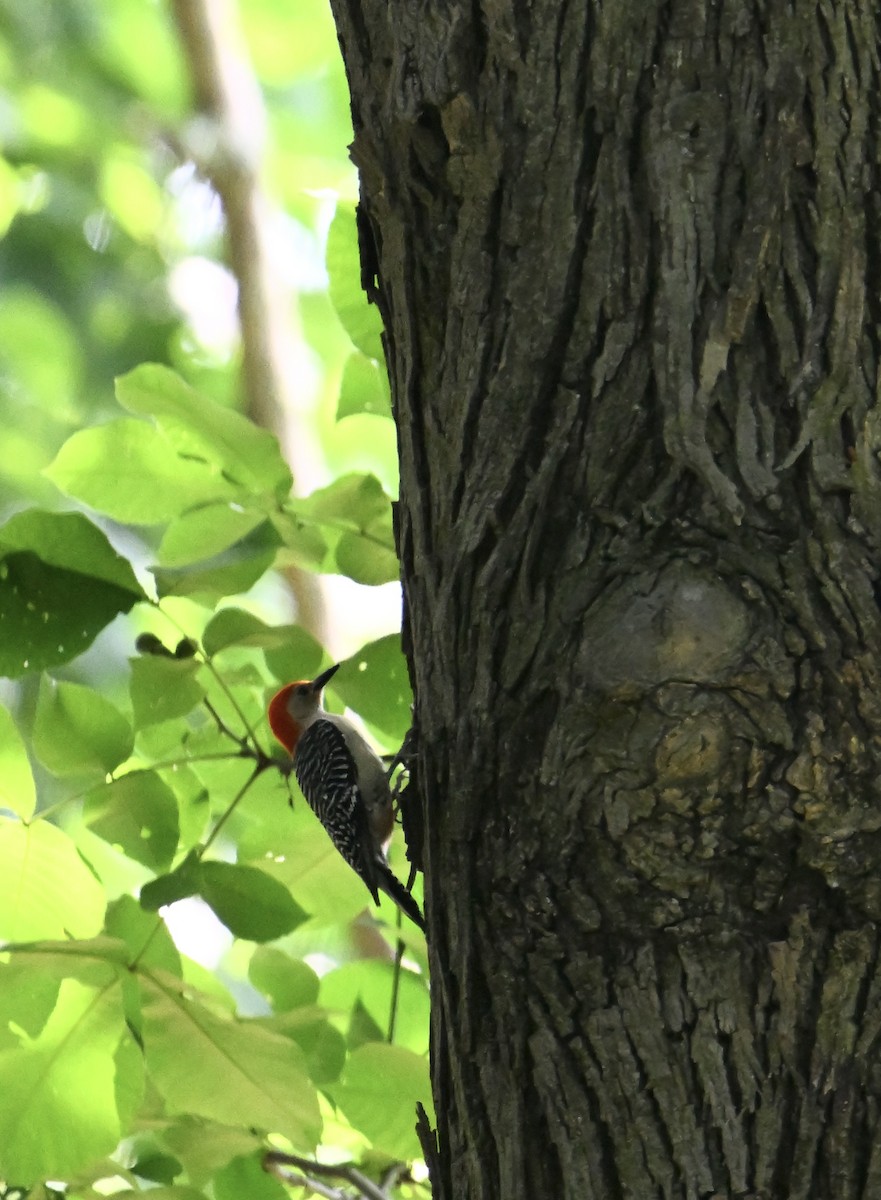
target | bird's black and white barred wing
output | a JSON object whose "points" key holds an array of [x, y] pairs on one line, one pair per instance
{"points": [[327, 775]]}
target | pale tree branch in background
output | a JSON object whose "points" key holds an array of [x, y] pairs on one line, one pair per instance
{"points": [[229, 153]]}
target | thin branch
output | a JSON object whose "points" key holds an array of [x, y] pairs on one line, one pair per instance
{"points": [[241, 742], [258, 769], [315, 1185], [368, 1189], [396, 984]]}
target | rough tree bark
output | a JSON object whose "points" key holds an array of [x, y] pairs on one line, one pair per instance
{"points": [[628, 258]]}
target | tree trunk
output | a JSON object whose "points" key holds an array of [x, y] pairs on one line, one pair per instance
{"points": [[627, 255]]}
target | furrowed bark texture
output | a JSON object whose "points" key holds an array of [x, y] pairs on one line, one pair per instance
{"points": [[627, 255]]}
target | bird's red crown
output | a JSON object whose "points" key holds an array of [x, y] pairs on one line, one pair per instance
{"points": [[282, 724]]}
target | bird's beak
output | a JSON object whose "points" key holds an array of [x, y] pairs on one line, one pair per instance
{"points": [[317, 685]]}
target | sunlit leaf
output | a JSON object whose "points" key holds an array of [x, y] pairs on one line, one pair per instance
{"points": [[162, 688], [360, 319], [178, 1191], [305, 543], [234, 570], [129, 470], [206, 531], [355, 517], [17, 791], [28, 995], [48, 890], [78, 731], [364, 388], [138, 814], [205, 1146], [374, 1075], [374, 682], [371, 984], [299, 658], [246, 455], [143, 933], [245, 1176], [227, 1071], [237, 627], [323, 1045], [296, 851], [367, 557], [287, 982], [59, 1109]]}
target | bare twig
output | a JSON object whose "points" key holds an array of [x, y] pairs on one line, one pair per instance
{"points": [[315, 1185], [275, 1159]]}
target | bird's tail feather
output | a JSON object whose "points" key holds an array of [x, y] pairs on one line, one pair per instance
{"points": [[393, 887]]}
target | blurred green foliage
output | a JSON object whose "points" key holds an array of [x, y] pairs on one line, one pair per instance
{"points": [[140, 504]]}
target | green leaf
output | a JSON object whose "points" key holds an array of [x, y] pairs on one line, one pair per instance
{"points": [[163, 688], [364, 558], [49, 892], [378, 1093], [236, 627], [228, 1071], [370, 984], [205, 532], [205, 1146], [129, 470], [359, 318], [234, 570], [137, 814], [296, 850], [250, 903], [17, 791], [174, 1191], [155, 1166], [27, 996], [77, 731], [299, 658], [304, 542], [224, 440], [287, 982], [59, 1110], [72, 542], [193, 803], [143, 933], [176, 885], [129, 1062], [364, 388], [353, 501], [355, 516], [322, 1044], [61, 583], [374, 682], [245, 1177]]}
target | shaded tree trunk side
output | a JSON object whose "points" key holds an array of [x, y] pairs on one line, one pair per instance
{"points": [[627, 258]]}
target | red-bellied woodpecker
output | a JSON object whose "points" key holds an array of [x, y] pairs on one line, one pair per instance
{"points": [[344, 782]]}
